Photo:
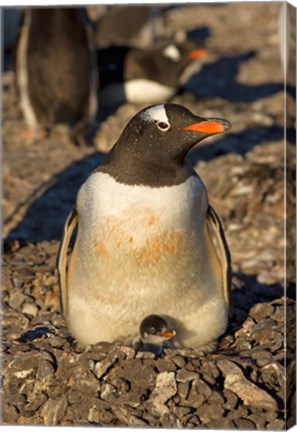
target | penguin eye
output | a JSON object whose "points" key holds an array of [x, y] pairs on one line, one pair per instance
{"points": [[152, 330], [163, 126]]}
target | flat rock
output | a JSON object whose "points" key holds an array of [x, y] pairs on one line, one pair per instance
{"points": [[248, 392]]}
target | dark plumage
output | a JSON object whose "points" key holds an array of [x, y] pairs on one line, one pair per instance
{"points": [[55, 72], [154, 332]]}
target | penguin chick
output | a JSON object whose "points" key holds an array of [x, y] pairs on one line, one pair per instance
{"points": [[56, 72], [154, 333]]}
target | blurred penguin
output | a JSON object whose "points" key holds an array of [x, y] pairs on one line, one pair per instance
{"points": [[56, 69], [145, 76]]}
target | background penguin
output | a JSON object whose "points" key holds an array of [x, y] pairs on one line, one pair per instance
{"points": [[154, 333], [56, 68], [10, 24], [153, 75], [147, 241]]}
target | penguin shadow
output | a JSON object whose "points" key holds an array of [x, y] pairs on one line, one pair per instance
{"points": [[49, 206], [219, 79], [240, 143], [246, 292]]}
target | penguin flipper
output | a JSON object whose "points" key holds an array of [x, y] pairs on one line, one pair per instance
{"points": [[219, 241], [69, 227]]}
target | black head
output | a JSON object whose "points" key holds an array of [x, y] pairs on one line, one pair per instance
{"points": [[155, 329], [157, 140]]}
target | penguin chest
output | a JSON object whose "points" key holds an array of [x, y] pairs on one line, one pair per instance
{"points": [[137, 229], [141, 236]]}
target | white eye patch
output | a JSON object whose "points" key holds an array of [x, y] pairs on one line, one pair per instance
{"points": [[172, 53], [155, 114]]}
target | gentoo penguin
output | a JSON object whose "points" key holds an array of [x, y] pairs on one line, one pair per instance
{"points": [[154, 333], [140, 76], [55, 68], [148, 242]]}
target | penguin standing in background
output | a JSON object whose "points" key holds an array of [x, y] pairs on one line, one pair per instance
{"points": [[148, 241], [129, 74], [56, 70]]}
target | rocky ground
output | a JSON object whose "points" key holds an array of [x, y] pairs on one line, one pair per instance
{"points": [[248, 382]]}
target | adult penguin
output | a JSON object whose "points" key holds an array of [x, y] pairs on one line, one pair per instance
{"points": [[56, 70]]}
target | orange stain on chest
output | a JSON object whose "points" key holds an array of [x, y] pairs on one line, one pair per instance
{"points": [[168, 243], [157, 245]]}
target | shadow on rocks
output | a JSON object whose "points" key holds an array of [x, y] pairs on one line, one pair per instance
{"points": [[247, 291], [52, 202], [239, 143], [219, 79]]}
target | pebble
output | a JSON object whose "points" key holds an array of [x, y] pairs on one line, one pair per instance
{"points": [[103, 366], [261, 310], [54, 410], [99, 415], [165, 389], [231, 400], [16, 299], [208, 412], [38, 401], [45, 368], [245, 389], [276, 424], [183, 389], [30, 309], [183, 375], [179, 361], [243, 424]]}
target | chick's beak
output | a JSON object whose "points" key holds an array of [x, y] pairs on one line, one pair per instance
{"points": [[209, 126], [168, 334]]}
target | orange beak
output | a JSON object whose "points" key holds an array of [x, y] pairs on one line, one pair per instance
{"points": [[209, 127], [192, 55], [168, 333]]}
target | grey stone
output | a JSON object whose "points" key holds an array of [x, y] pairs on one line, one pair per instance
{"points": [[231, 399], [54, 410], [243, 424], [275, 425], [183, 389], [184, 375], [45, 368], [208, 412], [179, 361], [100, 415], [261, 310], [108, 393], [245, 389], [36, 403], [165, 389]]}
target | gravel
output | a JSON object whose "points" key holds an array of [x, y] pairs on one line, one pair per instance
{"points": [[247, 381]]}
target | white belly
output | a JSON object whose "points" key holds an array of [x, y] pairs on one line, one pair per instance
{"points": [[141, 251], [137, 91]]}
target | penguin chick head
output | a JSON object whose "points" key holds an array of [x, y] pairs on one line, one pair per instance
{"points": [[163, 134], [154, 330]]}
